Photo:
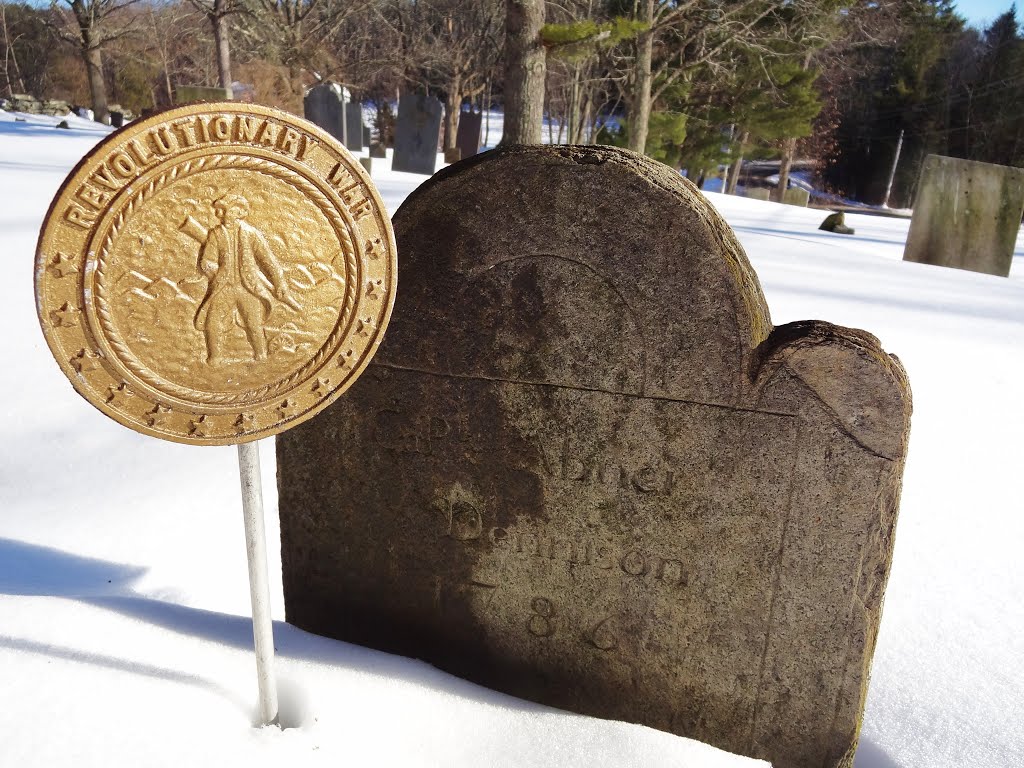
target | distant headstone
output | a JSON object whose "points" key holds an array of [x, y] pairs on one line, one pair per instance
{"points": [[366, 135], [966, 215], [836, 222], [585, 469], [452, 155], [324, 106], [116, 119], [377, 150], [467, 138], [758, 193], [367, 163], [354, 126], [796, 196], [184, 94], [416, 133]]}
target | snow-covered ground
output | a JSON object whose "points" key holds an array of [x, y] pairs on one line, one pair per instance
{"points": [[124, 631]]}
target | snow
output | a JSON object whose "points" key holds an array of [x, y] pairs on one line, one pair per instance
{"points": [[124, 630]]}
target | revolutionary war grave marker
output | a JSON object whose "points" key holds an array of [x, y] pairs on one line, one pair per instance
{"points": [[585, 469]]}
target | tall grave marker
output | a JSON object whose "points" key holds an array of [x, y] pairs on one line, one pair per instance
{"points": [[353, 125], [602, 479], [467, 138], [324, 105], [967, 215], [416, 133]]}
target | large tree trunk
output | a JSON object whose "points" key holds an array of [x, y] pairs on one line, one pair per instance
{"points": [[219, 20], [737, 166], [640, 105], [452, 105], [93, 58], [788, 152], [525, 68]]}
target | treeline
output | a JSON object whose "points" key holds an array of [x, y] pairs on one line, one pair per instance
{"points": [[697, 84]]}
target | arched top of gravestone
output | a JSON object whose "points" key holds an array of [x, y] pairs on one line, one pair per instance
{"points": [[588, 267]]}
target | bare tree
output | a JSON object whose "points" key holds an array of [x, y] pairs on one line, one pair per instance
{"points": [[217, 12], [91, 25], [525, 68], [12, 71], [295, 32]]}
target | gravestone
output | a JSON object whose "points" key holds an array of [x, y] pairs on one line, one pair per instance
{"points": [[354, 126], [185, 94], [966, 215], [758, 193], [366, 135], [325, 106], [796, 196], [452, 155], [116, 119], [378, 150], [416, 133], [585, 469], [467, 137], [367, 163]]}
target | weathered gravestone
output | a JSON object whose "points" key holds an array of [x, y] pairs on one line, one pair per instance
{"points": [[377, 150], [366, 135], [758, 193], [416, 132], [325, 106], [186, 94], [354, 123], [467, 137], [796, 196], [966, 215], [584, 468]]}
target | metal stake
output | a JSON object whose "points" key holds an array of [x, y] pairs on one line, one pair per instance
{"points": [[259, 583]]}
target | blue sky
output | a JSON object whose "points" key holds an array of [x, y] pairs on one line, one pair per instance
{"points": [[980, 12]]}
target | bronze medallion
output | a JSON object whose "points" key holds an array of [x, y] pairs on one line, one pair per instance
{"points": [[215, 273]]}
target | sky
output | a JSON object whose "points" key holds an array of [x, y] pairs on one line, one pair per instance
{"points": [[980, 13]]}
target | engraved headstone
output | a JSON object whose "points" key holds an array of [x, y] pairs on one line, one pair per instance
{"points": [[467, 138], [416, 133], [967, 215], [324, 106], [354, 126], [601, 479], [186, 94]]}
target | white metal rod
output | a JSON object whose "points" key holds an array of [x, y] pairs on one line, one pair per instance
{"points": [[259, 583]]}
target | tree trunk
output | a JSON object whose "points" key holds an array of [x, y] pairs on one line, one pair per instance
{"points": [[640, 106], [734, 177], [525, 68], [219, 20], [788, 151], [93, 58], [487, 115], [452, 105]]}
